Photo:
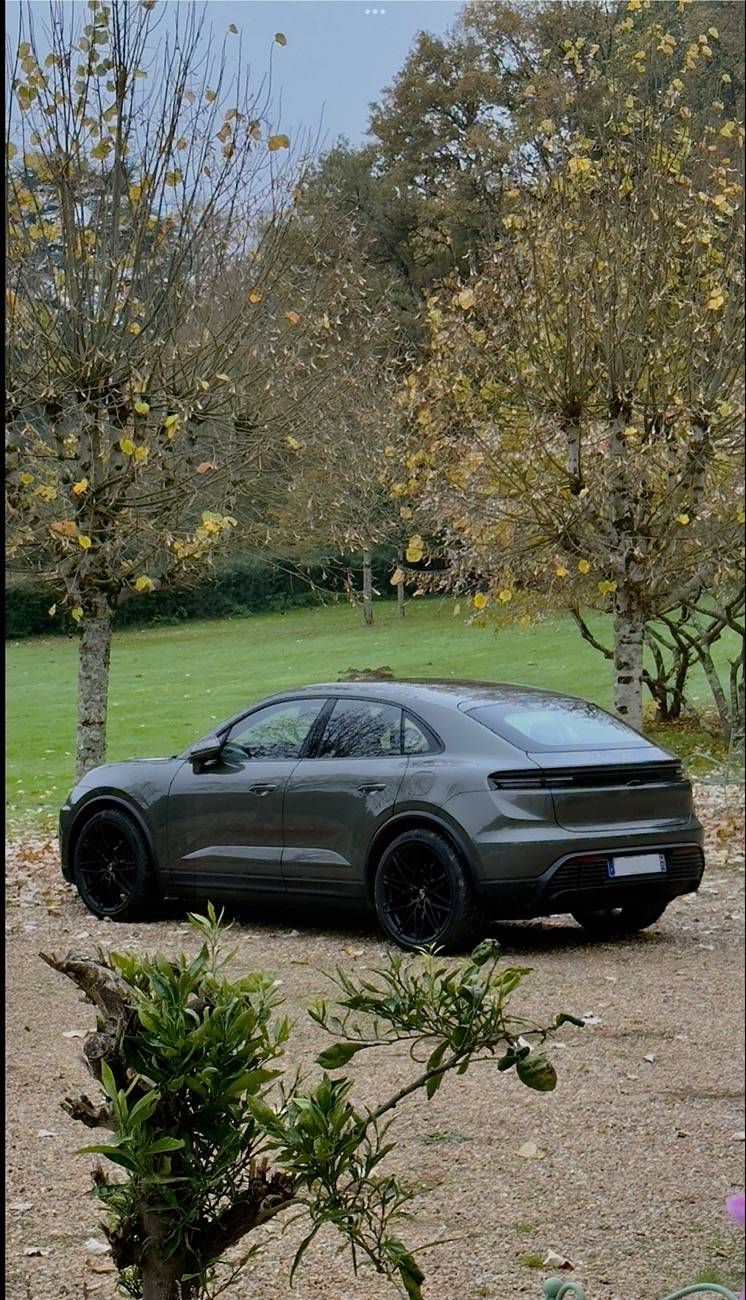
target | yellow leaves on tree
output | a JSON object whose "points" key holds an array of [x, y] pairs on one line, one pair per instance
{"points": [[255, 295], [479, 601], [415, 549], [140, 407], [292, 318], [144, 583], [276, 142], [80, 487], [397, 577], [583, 566]]}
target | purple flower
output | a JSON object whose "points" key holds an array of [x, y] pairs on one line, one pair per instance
{"points": [[735, 1207]]}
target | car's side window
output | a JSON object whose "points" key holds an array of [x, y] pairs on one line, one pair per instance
{"points": [[361, 729], [277, 731], [415, 740]]}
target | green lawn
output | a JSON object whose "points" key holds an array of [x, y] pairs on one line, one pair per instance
{"points": [[169, 684]]}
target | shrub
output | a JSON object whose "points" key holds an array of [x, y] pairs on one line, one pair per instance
{"points": [[210, 1138]]}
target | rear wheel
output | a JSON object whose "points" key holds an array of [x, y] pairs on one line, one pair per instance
{"points": [[423, 894], [112, 868], [608, 922]]}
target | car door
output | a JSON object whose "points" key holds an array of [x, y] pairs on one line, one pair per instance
{"points": [[225, 817], [339, 794]]}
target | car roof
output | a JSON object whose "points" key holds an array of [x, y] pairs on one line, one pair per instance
{"points": [[444, 691]]}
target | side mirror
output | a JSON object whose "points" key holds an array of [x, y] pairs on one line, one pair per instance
{"points": [[206, 751]]}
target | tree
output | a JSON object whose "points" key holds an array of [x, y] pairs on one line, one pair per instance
{"points": [[579, 418], [135, 393], [211, 1147], [354, 316]]}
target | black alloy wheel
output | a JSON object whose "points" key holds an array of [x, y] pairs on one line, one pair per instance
{"points": [[423, 895], [613, 922], [112, 866]]}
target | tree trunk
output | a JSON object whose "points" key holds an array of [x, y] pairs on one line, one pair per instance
{"points": [[93, 684], [718, 694], [399, 589], [161, 1278], [367, 589], [629, 626]]}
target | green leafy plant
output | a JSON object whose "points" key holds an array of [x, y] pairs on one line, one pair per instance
{"points": [[210, 1140]]}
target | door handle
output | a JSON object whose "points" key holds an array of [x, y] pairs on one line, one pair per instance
{"points": [[261, 790], [371, 787]]}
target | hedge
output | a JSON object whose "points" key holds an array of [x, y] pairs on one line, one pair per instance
{"points": [[248, 588]]}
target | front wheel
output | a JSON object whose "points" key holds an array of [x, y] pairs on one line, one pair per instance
{"points": [[112, 869], [611, 922], [423, 894]]}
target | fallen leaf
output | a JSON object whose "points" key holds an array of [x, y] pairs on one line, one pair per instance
{"points": [[649, 1057], [204, 466], [530, 1151], [99, 1265], [97, 1247], [22, 1207], [46, 1133], [553, 1260], [353, 952], [35, 1250], [738, 1137]]}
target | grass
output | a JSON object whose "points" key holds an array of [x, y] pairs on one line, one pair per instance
{"points": [[169, 684]]}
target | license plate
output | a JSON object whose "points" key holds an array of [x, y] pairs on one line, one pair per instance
{"points": [[640, 864]]}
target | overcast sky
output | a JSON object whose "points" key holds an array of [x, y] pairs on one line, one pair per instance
{"points": [[339, 53]]}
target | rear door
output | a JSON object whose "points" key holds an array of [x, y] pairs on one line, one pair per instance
{"points": [[338, 796], [225, 818]]}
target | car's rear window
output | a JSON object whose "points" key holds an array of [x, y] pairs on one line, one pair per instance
{"points": [[559, 724]]}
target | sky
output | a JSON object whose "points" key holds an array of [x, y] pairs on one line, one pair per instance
{"points": [[339, 53]]}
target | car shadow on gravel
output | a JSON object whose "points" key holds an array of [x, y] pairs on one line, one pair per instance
{"points": [[339, 923]]}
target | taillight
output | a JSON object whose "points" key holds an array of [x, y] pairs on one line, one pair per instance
{"points": [[516, 781]]}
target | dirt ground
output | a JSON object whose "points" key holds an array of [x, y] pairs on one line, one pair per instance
{"points": [[637, 1148]]}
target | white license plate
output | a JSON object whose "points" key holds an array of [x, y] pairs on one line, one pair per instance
{"points": [[640, 864]]}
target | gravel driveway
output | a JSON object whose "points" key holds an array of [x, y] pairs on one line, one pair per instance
{"points": [[633, 1154]]}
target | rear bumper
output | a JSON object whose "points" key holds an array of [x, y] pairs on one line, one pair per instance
{"points": [[581, 880]]}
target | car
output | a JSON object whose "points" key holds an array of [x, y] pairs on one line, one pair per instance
{"points": [[443, 805]]}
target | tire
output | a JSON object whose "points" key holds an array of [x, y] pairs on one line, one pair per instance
{"points": [[111, 839], [416, 862], [613, 922]]}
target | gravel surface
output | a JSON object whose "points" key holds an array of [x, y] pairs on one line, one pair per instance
{"points": [[636, 1150]]}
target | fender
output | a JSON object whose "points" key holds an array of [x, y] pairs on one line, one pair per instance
{"points": [[107, 801], [420, 816]]}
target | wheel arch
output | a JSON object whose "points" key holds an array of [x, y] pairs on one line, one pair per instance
{"points": [[414, 820], [100, 803]]}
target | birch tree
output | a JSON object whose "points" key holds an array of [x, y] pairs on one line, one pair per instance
{"points": [[580, 412], [137, 172]]}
